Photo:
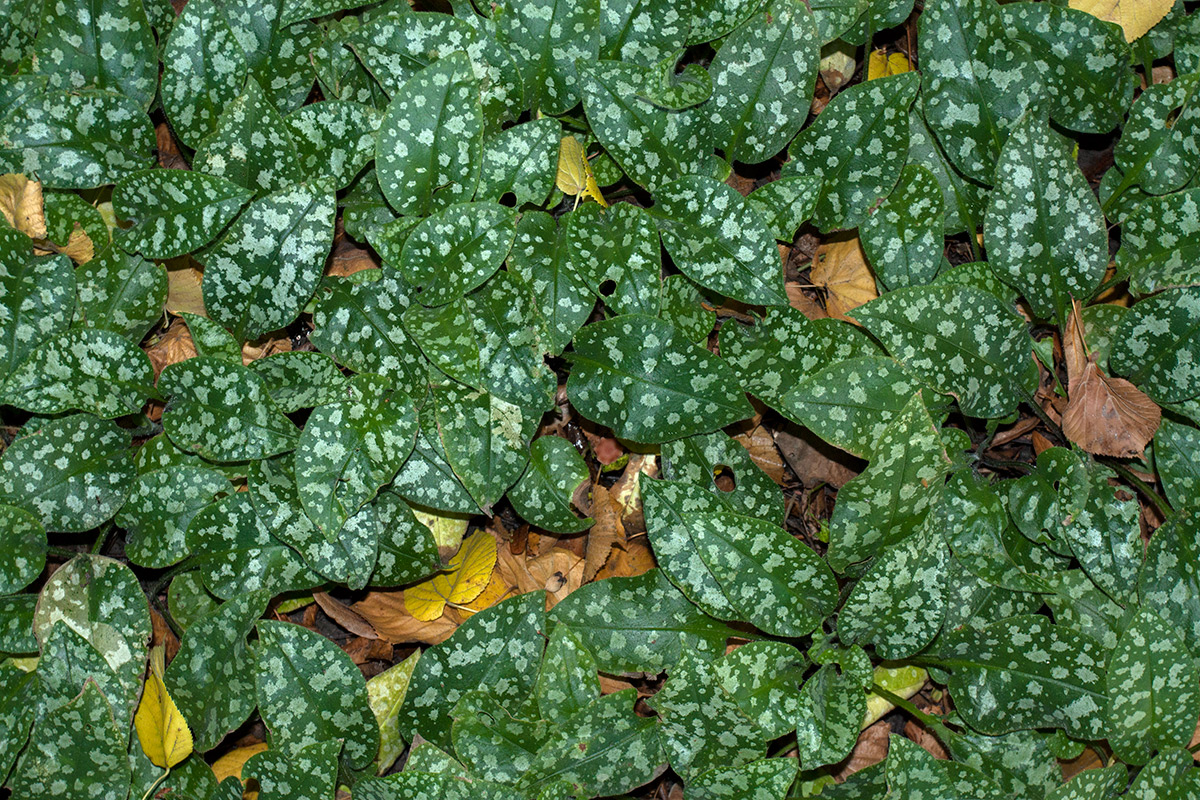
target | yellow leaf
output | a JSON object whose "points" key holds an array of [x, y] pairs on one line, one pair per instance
{"points": [[183, 288], [841, 270], [21, 204], [1135, 17], [463, 580], [232, 762], [881, 65], [161, 729], [575, 173]]}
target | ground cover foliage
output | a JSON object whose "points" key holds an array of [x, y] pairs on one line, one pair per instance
{"points": [[574, 398]]}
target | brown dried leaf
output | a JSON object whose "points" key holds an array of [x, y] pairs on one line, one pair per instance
{"points": [[363, 650], [604, 534], [798, 300], [268, 344], [21, 204], [557, 572], [344, 616], [183, 287], [174, 345], [1109, 416], [840, 268], [761, 446], [386, 613], [630, 558], [871, 748], [814, 461], [348, 259], [927, 741]]}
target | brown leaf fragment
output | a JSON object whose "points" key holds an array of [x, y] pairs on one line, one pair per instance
{"points": [[761, 446], [174, 345], [363, 650], [183, 287], [798, 300], [344, 616], [813, 460], [604, 534], [926, 740], [840, 268], [386, 613], [21, 204], [871, 748]]}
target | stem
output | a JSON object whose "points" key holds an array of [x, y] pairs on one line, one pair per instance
{"points": [[998, 463], [102, 538], [157, 586], [1154, 497], [928, 720], [64, 552], [154, 785]]}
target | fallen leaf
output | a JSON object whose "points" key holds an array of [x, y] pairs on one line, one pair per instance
{"points": [[557, 572], [268, 344], [173, 346], [1104, 415], [870, 749], [21, 204], [79, 247], [837, 67], [840, 268], [348, 259], [926, 740], [1136, 17], [385, 694], [798, 300], [464, 579], [813, 460], [575, 176], [604, 534], [363, 651], [231, 763], [163, 732], [448, 530], [760, 444], [386, 612], [183, 287], [345, 616], [882, 64]]}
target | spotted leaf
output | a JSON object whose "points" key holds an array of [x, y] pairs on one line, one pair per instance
{"points": [[121, 293], [38, 295], [545, 491], [546, 38], [540, 256], [22, 548], [903, 237], [252, 146], [1157, 345], [334, 139], [456, 250], [160, 507], [520, 160]]}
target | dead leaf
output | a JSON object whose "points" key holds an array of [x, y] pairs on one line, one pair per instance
{"points": [[840, 268], [871, 748], [1105, 415], [606, 532], [183, 287], [814, 461], [174, 345], [232, 762], [348, 259], [882, 64], [557, 572], [837, 67], [629, 558], [268, 344], [386, 613], [362, 651], [21, 204], [1136, 17], [162, 635], [344, 616], [761, 446], [463, 580], [926, 740], [798, 300], [79, 247]]}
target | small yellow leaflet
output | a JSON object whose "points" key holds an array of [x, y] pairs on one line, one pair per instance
{"points": [[463, 580], [881, 64], [161, 729], [575, 173]]}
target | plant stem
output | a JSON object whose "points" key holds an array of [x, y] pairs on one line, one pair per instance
{"points": [[65, 552], [102, 538], [928, 720], [154, 785], [1140, 485]]}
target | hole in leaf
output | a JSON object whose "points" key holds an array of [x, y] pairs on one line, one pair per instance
{"points": [[607, 288], [723, 478]]}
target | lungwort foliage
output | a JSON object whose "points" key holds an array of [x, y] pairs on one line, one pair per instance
{"points": [[309, 302]]}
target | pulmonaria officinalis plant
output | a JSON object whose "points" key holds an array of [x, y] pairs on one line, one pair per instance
{"points": [[587, 398]]}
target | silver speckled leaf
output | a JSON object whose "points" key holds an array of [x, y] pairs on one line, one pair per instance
{"points": [[698, 460], [546, 38], [334, 139], [160, 507], [1157, 345], [252, 146], [120, 292], [903, 237], [544, 492], [456, 250], [541, 258], [522, 160], [1159, 242], [22, 549], [38, 298]]}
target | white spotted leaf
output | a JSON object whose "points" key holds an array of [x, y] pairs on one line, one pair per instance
{"points": [[642, 31], [699, 459], [120, 292], [1157, 345], [334, 139], [1159, 242], [903, 238], [22, 549], [456, 250], [251, 145], [522, 160], [39, 296], [175, 211], [541, 258], [618, 244], [544, 493], [1159, 146], [159, 509], [1170, 580], [546, 38]]}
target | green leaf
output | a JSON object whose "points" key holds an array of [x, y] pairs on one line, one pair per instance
{"points": [[890, 499], [22, 549], [38, 295], [486, 439], [1160, 143], [766, 576], [787, 203], [236, 553], [698, 459], [545, 493], [360, 326], [546, 38], [251, 145], [1157, 345], [211, 678], [567, 682], [762, 678], [1024, 672], [427, 155], [540, 257], [72, 473], [857, 146], [1078, 603], [490, 741], [642, 31], [765, 779], [1097, 784], [87, 369], [521, 160], [1158, 242], [259, 276], [1020, 762], [1169, 582], [497, 648], [785, 348], [456, 250], [159, 509], [386, 692], [913, 772], [334, 139], [211, 340], [300, 379], [850, 403], [963, 199], [700, 725], [1042, 503], [223, 412], [188, 600], [74, 751], [899, 604], [310, 773], [98, 44], [676, 91], [350, 449], [652, 145], [829, 715], [426, 479], [1153, 697], [1044, 230], [640, 624], [1083, 62], [1168, 769], [718, 241], [986, 366], [635, 374], [16, 630], [1106, 537], [618, 244], [763, 77], [605, 749], [712, 19], [903, 238], [75, 139], [120, 292], [101, 600], [977, 81], [309, 691], [1177, 456]]}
